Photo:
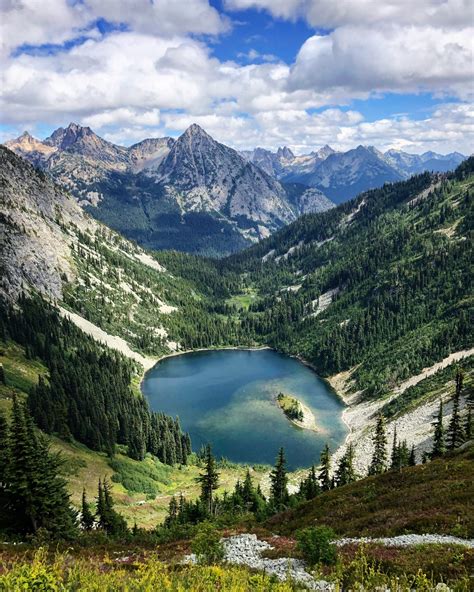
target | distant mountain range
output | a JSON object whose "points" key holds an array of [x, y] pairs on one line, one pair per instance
{"points": [[196, 194], [342, 175]]}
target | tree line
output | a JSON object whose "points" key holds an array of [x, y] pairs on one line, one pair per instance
{"points": [[87, 395]]}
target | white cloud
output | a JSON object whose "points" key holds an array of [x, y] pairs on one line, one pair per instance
{"points": [[332, 14], [36, 22], [387, 58], [252, 54], [162, 17], [156, 76]]}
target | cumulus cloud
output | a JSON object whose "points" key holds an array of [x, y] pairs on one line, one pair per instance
{"points": [[388, 58], [35, 22], [152, 75], [331, 14]]}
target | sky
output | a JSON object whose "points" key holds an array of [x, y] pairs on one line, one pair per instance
{"points": [[302, 73]]}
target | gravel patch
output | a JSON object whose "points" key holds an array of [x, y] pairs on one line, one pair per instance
{"points": [[408, 540], [246, 549]]}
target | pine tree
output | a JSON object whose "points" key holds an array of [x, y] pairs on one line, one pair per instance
{"points": [[395, 458], [4, 500], [325, 469], [107, 517], [345, 472], [469, 427], [439, 447], [279, 482], [172, 512], [455, 434], [379, 458], [209, 481], [309, 487], [87, 518], [36, 493], [412, 457]]}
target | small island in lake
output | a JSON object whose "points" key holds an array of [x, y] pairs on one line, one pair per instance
{"points": [[296, 412]]}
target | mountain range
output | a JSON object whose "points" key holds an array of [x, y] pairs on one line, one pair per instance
{"points": [[342, 175], [198, 195]]}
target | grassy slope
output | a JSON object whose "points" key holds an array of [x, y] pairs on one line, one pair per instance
{"points": [[436, 497], [142, 490]]}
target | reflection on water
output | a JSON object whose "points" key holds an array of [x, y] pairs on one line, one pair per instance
{"points": [[227, 398]]}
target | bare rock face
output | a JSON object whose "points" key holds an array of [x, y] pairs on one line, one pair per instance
{"points": [[34, 212], [33, 150], [211, 176], [149, 154]]}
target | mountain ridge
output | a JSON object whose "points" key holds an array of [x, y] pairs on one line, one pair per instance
{"points": [[199, 195]]}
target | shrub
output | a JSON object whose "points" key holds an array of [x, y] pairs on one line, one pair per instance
{"points": [[315, 545], [207, 545]]}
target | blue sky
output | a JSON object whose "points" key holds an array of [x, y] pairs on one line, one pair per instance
{"points": [[251, 72]]}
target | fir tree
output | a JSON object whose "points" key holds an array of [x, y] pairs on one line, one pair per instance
{"points": [[36, 493], [107, 517], [439, 447], [209, 481], [87, 518], [455, 434], [172, 512], [325, 469], [469, 427], [345, 471], [279, 482], [379, 458], [395, 458], [309, 487], [412, 457]]}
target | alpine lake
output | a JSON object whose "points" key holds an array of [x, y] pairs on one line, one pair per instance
{"points": [[228, 398]]}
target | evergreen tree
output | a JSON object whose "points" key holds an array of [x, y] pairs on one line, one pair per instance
{"points": [[455, 434], [325, 469], [107, 517], [412, 457], [309, 487], [469, 427], [345, 471], [36, 495], [395, 458], [439, 447], [172, 512], [279, 482], [87, 518], [209, 481], [3, 379], [379, 458]]}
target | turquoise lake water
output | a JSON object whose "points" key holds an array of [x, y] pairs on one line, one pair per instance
{"points": [[226, 398]]}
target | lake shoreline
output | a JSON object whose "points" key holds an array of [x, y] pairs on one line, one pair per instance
{"points": [[200, 349]]}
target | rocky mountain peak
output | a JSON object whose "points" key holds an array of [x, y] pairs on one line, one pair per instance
{"points": [[64, 138], [195, 131], [285, 152]]}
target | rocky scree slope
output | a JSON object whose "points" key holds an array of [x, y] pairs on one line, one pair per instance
{"points": [[111, 288]]}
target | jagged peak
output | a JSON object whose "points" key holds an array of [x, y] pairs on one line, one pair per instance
{"points": [[195, 130], [285, 152], [25, 136]]}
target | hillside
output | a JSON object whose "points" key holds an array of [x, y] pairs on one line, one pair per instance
{"points": [[375, 295], [435, 497]]}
